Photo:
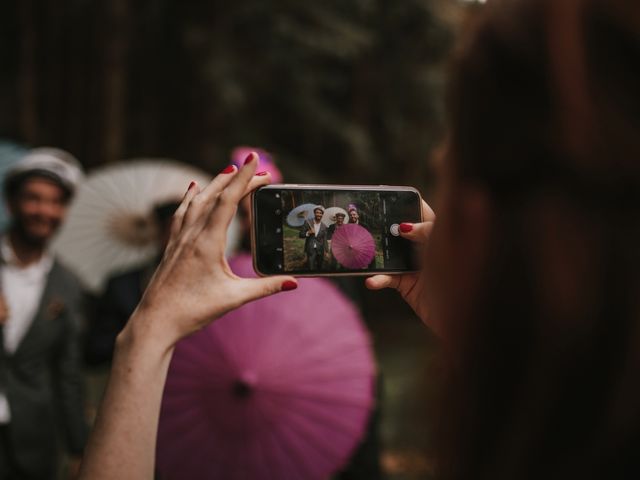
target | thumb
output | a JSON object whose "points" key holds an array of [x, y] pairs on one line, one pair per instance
{"points": [[255, 288], [378, 282]]}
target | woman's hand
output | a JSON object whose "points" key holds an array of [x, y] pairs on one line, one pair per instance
{"points": [[192, 287], [411, 285], [193, 284]]}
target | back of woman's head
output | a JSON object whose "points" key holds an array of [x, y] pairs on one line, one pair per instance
{"points": [[545, 117]]}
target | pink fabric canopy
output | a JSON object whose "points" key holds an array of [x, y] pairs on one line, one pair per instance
{"points": [[281, 388]]}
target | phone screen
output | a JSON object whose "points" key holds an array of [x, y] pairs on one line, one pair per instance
{"points": [[317, 230]]}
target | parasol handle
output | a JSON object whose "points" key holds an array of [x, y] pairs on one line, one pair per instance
{"points": [[310, 226]]}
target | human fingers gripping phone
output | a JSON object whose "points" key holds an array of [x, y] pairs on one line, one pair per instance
{"points": [[330, 230]]}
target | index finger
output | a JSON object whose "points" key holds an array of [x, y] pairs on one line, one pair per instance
{"points": [[238, 186], [228, 200], [256, 182]]}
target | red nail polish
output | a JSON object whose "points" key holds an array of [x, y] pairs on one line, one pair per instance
{"points": [[261, 174], [249, 158], [406, 227], [229, 169], [289, 285], [191, 185]]}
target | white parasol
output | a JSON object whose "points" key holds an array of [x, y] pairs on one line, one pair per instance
{"points": [[110, 227], [301, 214], [329, 216]]}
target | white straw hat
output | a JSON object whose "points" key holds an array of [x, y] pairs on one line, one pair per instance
{"points": [[53, 163]]}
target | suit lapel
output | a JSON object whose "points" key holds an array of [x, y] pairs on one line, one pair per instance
{"points": [[323, 229], [42, 312]]}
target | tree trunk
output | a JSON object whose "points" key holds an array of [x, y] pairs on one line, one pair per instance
{"points": [[115, 74], [27, 74]]}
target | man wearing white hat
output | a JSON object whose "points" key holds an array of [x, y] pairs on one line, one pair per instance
{"points": [[40, 311], [315, 235]]}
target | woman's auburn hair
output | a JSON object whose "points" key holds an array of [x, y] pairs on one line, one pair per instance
{"points": [[544, 114]]}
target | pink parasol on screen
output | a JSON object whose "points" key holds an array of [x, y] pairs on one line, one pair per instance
{"points": [[353, 246], [277, 389]]}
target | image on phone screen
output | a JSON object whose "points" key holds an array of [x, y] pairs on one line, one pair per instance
{"points": [[317, 231]]}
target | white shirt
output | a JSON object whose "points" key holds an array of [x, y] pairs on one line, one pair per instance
{"points": [[316, 227], [22, 288]]}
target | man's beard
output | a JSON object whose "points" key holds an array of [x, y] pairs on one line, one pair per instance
{"points": [[28, 239]]}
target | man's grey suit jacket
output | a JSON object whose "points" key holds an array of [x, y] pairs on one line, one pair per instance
{"points": [[314, 242], [42, 378]]}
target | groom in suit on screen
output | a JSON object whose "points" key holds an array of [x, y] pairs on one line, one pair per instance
{"points": [[315, 235]]}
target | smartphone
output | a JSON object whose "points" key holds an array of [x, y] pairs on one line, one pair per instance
{"points": [[330, 230]]}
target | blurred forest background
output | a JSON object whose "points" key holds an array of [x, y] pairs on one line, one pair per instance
{"points": [[342, 91]]}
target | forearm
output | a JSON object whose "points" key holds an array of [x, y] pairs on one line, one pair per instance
{"points": [[122, 444], [192, 286]]}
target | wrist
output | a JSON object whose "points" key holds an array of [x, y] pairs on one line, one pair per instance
{"points": [[141, 335]]}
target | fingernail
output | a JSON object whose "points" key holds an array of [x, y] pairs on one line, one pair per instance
{"points": [[406, 227], [249, 158], [289, 285], [261, 174], [191, 185], [229, 169]]}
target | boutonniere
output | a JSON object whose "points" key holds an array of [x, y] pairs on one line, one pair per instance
{"points": [[54, 308]]}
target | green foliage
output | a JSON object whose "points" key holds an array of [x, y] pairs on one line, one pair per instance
{"points": [[340, 90], [343, 90]]}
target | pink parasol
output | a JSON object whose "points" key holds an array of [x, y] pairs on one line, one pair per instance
{"points": [[280, 388], [265, 161], [353, 246]]}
